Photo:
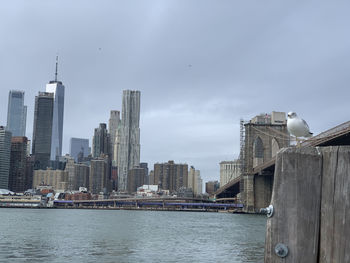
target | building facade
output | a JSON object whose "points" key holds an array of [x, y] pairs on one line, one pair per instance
{"points": [[211, 187], [57, 88], [5, 156], [113, 125], [99, 180], [129, 145], [145, 166], [58, 179], [42, 129], [170, 176], [100, 141], [79, 147], [18, 181], [229, 170], [16, 113], [136, 178], [78, 174], [194, 181]]}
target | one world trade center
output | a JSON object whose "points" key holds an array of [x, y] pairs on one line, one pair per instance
{"points": [[56, 87]]}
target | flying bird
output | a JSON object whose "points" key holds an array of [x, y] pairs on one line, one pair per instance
{"points": [[297, 126]]}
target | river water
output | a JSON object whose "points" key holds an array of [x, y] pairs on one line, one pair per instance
{"points": [[60, 235]]}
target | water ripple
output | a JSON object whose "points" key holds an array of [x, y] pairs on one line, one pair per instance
{"points": [[30, 235]]}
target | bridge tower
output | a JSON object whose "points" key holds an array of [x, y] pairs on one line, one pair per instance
{"points": [[264, 135]]}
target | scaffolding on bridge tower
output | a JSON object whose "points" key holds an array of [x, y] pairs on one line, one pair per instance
{"points": [[242, 155]]}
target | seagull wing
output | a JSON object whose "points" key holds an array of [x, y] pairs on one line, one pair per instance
{"points": [[307, 126]]}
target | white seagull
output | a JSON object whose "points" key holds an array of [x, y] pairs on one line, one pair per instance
{"points": [[297, 126]]}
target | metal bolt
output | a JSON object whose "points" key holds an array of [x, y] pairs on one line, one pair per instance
{"points": [[281, 250], [268, 211]]}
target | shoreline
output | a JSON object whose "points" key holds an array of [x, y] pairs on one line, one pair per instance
{"points": [[133, 208]]}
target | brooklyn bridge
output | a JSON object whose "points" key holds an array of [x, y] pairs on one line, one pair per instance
{"points": [[261, 142]]}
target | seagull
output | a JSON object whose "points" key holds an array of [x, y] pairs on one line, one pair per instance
{"points": [[297, 126]]}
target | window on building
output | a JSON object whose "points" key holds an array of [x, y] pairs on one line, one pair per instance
{"points": [[258, 148], [274, 147]]}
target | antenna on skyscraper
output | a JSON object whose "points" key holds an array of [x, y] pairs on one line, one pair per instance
{"points": [[56, 68]]}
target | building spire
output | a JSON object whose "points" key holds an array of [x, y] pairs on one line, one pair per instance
{"points": [[56, 68]]}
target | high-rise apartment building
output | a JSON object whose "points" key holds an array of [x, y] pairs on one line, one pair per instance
{"points": [[16, 113], [129, 146], [100, 141], [5, 155], [145, 166], [18, 181], [136, 178], [113, 125], [56, 87], [42, 129], [194, 181], [78, 174], [79, 146], [170, 176], [99, 180]]}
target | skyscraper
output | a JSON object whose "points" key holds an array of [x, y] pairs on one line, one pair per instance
{"points": [[100, 141], [18, 181], [5, 154], [56, 87], [129, 146], [16, 113], [79, 145], [114, 121], [99, 180], [42, 129]]}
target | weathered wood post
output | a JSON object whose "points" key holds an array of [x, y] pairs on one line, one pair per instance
{"points": [[335, 206], [296, 200]]}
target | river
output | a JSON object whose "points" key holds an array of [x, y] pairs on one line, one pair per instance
{"points": [[73, 235]]}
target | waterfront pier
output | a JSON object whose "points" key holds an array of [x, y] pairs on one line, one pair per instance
{"points": [[308, 218]]}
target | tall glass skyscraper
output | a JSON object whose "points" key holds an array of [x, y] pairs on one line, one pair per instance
{"points": [[56, 87], [100, 141], [42, 129], [129, 146], [16, 113], [77, 146]]}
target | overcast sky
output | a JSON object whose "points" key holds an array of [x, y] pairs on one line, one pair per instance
{"points": [[200, 66]]}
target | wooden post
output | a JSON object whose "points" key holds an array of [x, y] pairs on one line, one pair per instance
{"points": [[335, 208], [296, 200]]}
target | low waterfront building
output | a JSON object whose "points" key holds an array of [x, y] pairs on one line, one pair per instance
{"points": [[211, 187], [58, 179], [229, 170], [147, 190]]}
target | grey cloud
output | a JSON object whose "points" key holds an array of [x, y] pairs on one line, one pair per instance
{"points": [[200, 65]]}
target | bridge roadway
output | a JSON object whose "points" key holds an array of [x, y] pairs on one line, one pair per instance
{"points": [[339, 135], [149, 203]]}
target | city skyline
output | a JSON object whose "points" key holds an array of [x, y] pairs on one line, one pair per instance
{"points": [[198, 75]]}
